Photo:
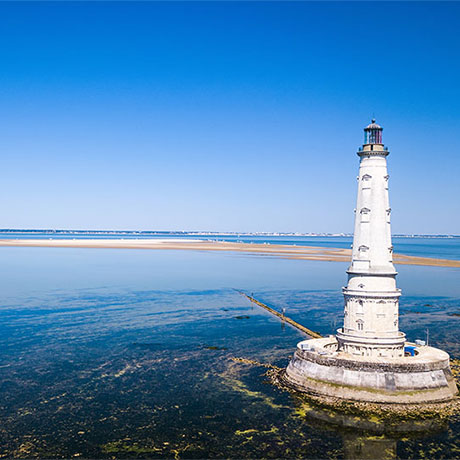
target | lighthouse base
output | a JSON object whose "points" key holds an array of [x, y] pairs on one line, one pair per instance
{"points": [[318, 368]]}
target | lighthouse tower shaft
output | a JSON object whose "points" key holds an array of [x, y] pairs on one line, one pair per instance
{"points": [[371, 297]]}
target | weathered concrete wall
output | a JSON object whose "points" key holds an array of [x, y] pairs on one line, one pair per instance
{"points": [[374, 382]]}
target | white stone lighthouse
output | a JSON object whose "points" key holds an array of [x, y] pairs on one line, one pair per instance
{"points": [[371, 298], [369, 358]]}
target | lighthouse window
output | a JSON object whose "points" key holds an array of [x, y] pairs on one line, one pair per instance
{"points": [[360, 325], [365, 211], [367, 177], [363, 248], [360, 308]]}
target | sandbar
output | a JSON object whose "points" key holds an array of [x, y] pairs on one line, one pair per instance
{"points": [[275, 250]]}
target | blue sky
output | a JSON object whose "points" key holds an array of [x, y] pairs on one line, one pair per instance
{"points": [[225, 116]]}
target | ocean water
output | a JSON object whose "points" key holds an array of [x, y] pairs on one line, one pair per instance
{"points": [[129, 354]]}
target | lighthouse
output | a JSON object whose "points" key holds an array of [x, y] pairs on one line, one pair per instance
{"points": [[370, 325], [369, 359]]}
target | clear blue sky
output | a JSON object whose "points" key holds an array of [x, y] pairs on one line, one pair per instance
{"points": [[225, 116]]}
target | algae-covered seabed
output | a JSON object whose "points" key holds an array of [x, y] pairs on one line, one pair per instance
{"points": [[124, 371]]}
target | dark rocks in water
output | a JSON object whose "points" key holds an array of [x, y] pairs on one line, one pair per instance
{"points": [[242, 317], [454, 314], [213, 347]]}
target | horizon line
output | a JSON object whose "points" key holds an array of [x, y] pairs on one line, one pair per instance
{"points": [[216, 233]]}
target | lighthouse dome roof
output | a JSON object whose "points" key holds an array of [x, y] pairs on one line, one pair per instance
{"points": [[372, 125]]}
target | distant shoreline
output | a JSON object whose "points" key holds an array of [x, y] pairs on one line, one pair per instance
{"points": [[203, 233], [275, 250]]}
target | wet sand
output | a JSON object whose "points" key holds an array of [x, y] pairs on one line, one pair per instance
{"points": [[275, 250]]}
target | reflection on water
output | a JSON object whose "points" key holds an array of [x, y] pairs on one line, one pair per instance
{"points": [[372, 422], [369, 435], [124, 353]]}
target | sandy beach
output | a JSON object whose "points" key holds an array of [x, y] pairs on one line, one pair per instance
{"points": [[275, 250]]}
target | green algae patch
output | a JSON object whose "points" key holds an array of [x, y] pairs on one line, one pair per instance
{"points": [[123, 446], [272, 430], [230, 378], [238, 386], [245, 432], [252, 362], [136, 449]]}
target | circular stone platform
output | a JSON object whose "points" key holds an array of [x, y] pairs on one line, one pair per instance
{"points": [[318, 368]]}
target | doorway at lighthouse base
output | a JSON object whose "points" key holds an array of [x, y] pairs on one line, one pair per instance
{"points": [[317, 367]]}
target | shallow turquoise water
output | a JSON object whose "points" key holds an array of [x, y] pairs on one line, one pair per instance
{"points": [[127, 353]]}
